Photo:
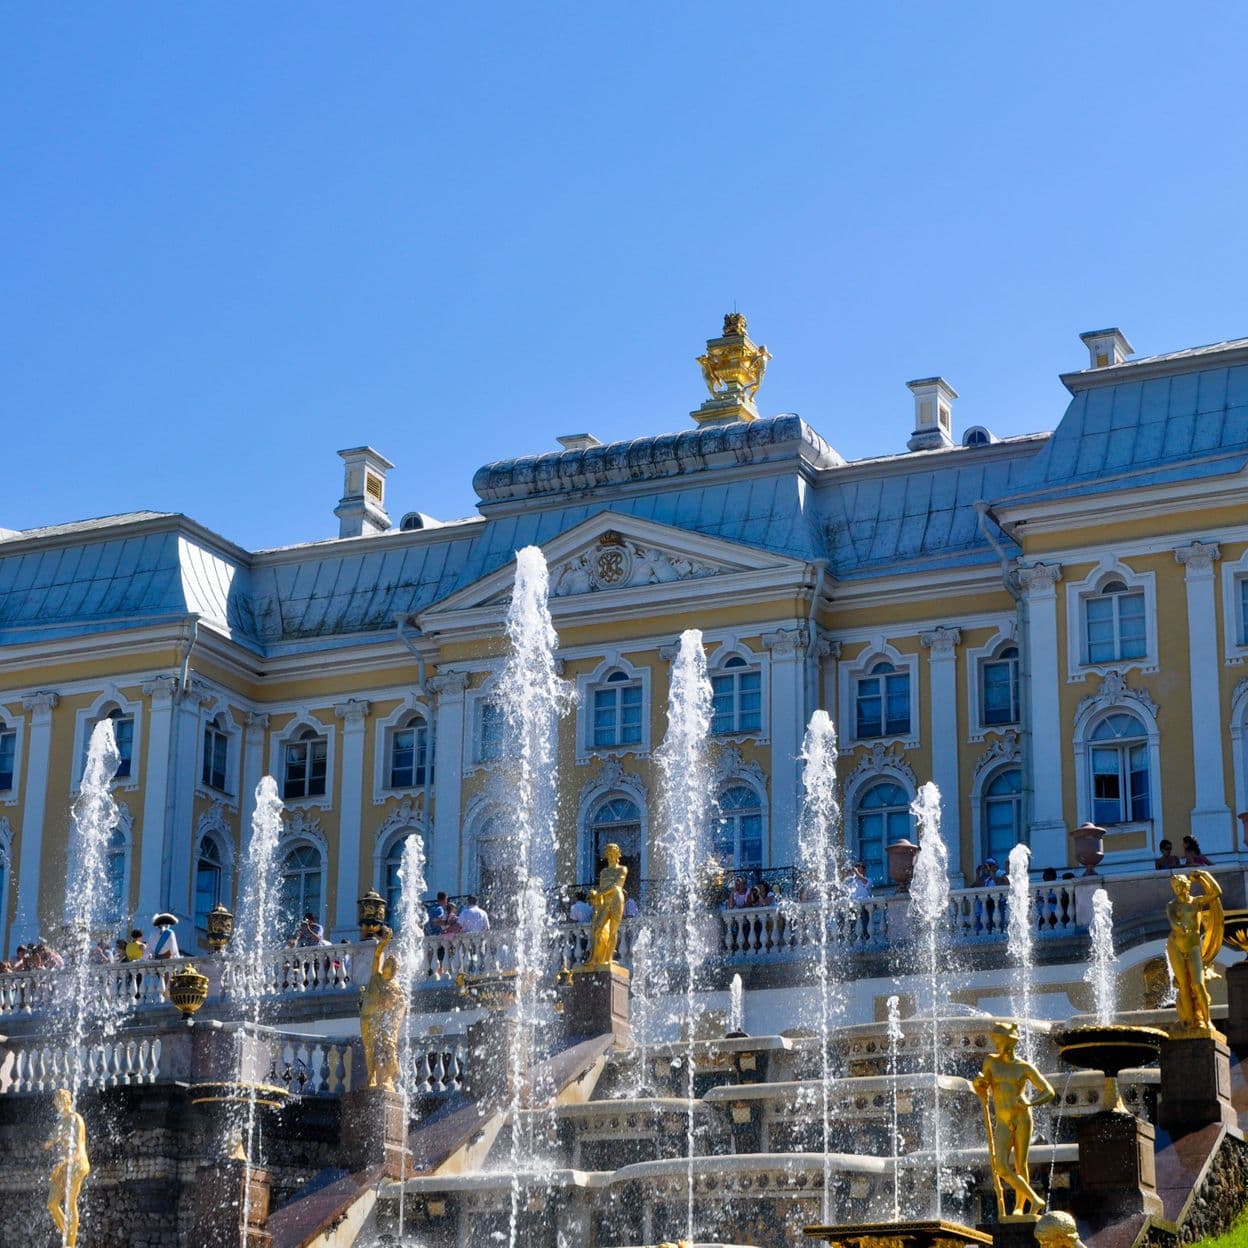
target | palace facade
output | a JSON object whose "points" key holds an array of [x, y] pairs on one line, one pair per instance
{"points": [[1052, 627]]}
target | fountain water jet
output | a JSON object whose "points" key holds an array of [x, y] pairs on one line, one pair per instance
{"points": [[532, 697], [686, 803], [821, 852], [1101, 972], [894, 1044], [736, 1007], [929, 903], [411, 924], [1019, 943]]}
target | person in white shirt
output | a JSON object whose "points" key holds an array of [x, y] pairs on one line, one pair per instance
{"points": [[166, 943], [472, 918], [859, 885], [580, 911]]}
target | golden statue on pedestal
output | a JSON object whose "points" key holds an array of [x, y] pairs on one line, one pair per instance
{"points": [[383, 1007], [1195, 938], [608, 903], [1058, 1230], [70, 1140], [1004, 1078], [733, 368]]}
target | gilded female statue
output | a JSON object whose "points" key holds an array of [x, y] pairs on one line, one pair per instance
{"points": [[70, 1140], [608, 903], [383, 1007], [1195, 937]]}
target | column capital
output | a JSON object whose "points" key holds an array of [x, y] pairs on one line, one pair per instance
{"points": [[942, 641], [353, 711], [449, 680], [1039, 578], [163, 690], [258, 721], [826, 648], [784, 643], [1198, 557], [42, 703]]}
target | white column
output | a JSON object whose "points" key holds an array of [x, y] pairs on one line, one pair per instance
{"points": [[788, 705], [1047, 829], [40, 705], [251, 772], [1211, 816], [162, 694], [827, 679], [353, 714], [942, 644], [445, 867], [179, 830]]}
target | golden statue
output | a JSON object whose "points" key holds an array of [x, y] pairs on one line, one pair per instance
{"points": [[1004, 1077], [1195, 938], [70, 1140], [733, 366], [1058, 1230], [383, 1007], [608, 903]]}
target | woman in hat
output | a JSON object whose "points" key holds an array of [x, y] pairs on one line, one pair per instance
{"points": [[166, 943]]}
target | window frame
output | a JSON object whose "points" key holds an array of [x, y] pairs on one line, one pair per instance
{"points": [[1013, 664], [735, 666], [215, 727], [887, 674], [111, 699], [300, 722], [609, 697], [1235, 612], [589, 684], [422, 765], [985, 797], [860, 793], [284, 850], [878, 650], [11, 732], [307, 739], [734, 784], [1127, 751], [1079, 594]]}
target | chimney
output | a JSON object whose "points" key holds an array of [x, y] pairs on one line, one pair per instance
{"points": [[1106, 347], [362, 508], [578, 441], [933, 414]]}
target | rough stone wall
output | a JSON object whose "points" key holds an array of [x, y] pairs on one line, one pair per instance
{"points": [[1221, 1199]]}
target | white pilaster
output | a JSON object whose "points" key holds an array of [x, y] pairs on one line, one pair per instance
{"points": [[942, 645], [827, 679], [1047, 828], [788, 647], [446, 867], [38, 748], [252, 771], [179, 830], [162, 694], [353, 714], [1211, 817]]}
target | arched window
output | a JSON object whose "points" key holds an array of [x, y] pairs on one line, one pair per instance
{"points": [[306, 759], [8, 755], [1121, 785], [410, 764], [117, 866], [882, 816], [737, 704], [882, 702], [739, 836], [617, 707], [1003, 813], [999, 677], [494, 871], [300, 887], [618, 819], [216, 753], [208, 880], [491, 731], [1114, 622]]}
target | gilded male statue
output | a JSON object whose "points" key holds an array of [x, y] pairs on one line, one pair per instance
{"points": [[608, 903], [69, 1138], [383, 1007], [1195, 937], [1004, 1078]]}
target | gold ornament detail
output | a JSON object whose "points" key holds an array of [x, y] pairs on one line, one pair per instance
{"points": [[1196, 929], [188, 990], [220, 927], [732, 367]]}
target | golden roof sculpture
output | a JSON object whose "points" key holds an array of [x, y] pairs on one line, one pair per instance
{"points": [[733, 368]]}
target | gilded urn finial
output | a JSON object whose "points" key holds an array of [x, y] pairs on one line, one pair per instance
{"points": [[733, 369]]}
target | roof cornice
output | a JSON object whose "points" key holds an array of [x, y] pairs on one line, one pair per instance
{"points": [[1198, 360]]}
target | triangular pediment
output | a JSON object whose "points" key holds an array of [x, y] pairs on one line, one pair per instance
{"points": [[615, 554]]}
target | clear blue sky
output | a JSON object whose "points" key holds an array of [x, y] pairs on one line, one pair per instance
{"points": [[238, 237]]}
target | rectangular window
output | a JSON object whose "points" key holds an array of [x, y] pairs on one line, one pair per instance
{"points": [[1120, 787], [1000, 691], [123, 729], [882, 707], [8, 759], [617, 716], [409, 757], [1243, 611], [305, 768], [737, 702], [216, 749], [493, 726], [1116, 627]]}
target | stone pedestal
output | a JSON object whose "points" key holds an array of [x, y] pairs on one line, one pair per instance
{"points": [[931, 1234], [596, 1003], [1195, 1084], [1117, 1174], [1237, 1003], [222, 1190], [1012, 1232], [373, 1131], [489, 1044]]}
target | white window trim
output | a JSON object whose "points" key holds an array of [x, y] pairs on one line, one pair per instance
{"points": [[878, 651], [404, 821], [1007, 760], [1078, 592], [15, 722], [1233, 622], [1239, 743], [305, 832], [752, 781], [759, 662], [302, 720], [385, 729], [213, 825], [863, 778], [1006, 635], [472, 710], [84, 722], [233, 755], [1088, 716], [125, 822], [611, 781], [6, 876], [586, 685], [475, 817]]}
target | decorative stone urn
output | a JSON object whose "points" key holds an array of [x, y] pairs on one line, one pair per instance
{"points": [[370, 912], [1089, 846], [188, 990], [220, 927], [901, 855]]}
